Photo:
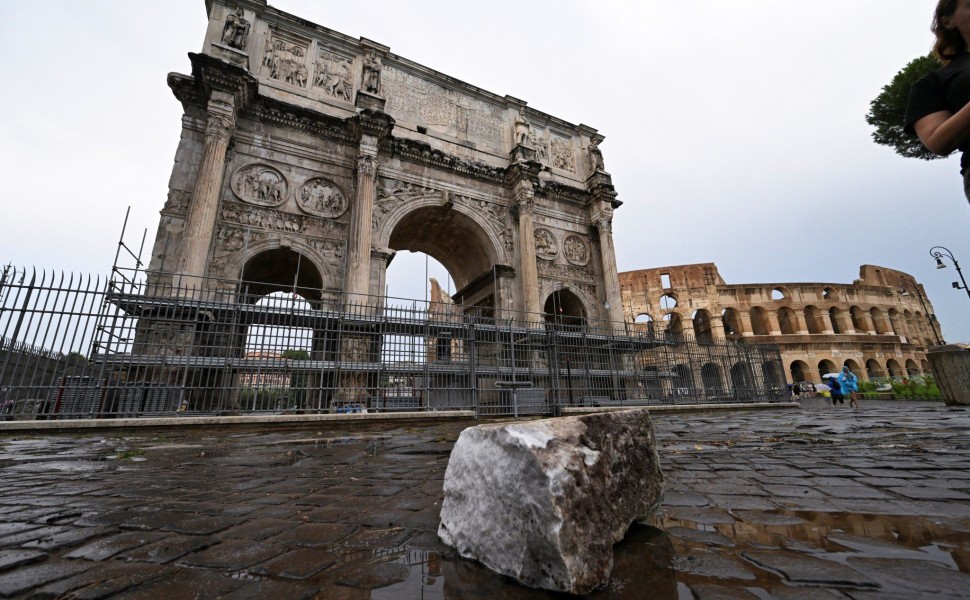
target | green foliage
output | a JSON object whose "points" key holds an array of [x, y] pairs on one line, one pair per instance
{"points": [[916, 388], [887, 113], [295, 355]]}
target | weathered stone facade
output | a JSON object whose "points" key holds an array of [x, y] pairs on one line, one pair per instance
{"points": [[308, 158], [879, 325]]}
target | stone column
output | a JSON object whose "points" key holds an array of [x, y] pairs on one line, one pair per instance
{"points": [[204, 206], [828, 327], [359, 251], [774, 328], [604, 227], [603, 202], [717, 329], [864, 324], [745, 319], [528, 272]]}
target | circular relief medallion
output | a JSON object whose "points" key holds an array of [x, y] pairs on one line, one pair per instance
{"points": [[322, 198], [259, 184], [575, 250], [547, 247]]}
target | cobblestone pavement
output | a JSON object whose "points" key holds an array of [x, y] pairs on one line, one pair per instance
{"points": [[811, 503]]}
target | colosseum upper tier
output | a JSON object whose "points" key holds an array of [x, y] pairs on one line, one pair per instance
{"points": [[879, 326]]}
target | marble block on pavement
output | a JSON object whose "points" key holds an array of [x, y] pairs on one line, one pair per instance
{"points": [[544, 501]]}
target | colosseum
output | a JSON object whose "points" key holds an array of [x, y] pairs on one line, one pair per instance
{"points": [[879, 326]]}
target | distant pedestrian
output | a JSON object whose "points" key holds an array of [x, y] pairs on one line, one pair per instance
{"points": [[796, 391], [850, 386], [837, 397]]}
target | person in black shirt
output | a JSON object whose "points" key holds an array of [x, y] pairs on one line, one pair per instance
{"points": [[939, 103]]}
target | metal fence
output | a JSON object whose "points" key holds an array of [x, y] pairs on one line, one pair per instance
{"points": [[136, 346]]}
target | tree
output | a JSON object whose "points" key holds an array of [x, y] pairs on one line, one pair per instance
{"points": [[887, 113]]}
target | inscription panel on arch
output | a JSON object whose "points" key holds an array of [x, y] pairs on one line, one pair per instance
{"points": [[449, 111]]}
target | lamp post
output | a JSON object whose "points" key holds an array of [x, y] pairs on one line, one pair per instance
{"points": [[904, 291], [938, 252]]}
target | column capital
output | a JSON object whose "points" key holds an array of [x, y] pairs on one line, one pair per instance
{"points": [[219, 127], [367, 165], [601, 215], [604, 225]]}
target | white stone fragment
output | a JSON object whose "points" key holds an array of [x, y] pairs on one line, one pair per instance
{"points": [[544, 501]]}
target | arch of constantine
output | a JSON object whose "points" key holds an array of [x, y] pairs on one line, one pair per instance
{"points": [[879, 325], [308, 159]]}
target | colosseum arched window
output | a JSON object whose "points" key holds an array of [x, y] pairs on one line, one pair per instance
{"points": [[879, 321], [826, 367], [813, 320], [893, 369], [759, 321], [874, 369], [787, 321], [859, 322], [799, 371], [703, 332], [731, 319], [837, 318], [643, 323]]}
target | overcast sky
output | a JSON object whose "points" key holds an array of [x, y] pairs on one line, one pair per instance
{"points": [[735, 130]]}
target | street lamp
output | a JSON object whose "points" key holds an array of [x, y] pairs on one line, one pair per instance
{"points": [[938, 252], [904, 291]]}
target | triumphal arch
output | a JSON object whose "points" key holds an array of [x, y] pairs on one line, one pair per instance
{"points": [[308, 158]]}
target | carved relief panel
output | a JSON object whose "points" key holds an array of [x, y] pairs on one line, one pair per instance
{"points": [[391, 193], [547, 248], [259, 184], [334, 74], [563, 157], [322, 197], [285, 59], [575, 250]]}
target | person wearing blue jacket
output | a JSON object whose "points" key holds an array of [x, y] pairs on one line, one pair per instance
{"points": [[850, 386]]}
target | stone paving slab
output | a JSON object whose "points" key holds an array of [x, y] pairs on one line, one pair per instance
{"points": [[816, 502]]}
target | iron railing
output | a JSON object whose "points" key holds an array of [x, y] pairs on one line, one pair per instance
{"points": [[132, 345]]}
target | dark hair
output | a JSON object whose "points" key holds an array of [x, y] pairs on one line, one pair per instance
{"points": [[949, 43]]}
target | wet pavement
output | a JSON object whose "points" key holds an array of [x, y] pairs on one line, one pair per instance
{"points": [[810, 503]]}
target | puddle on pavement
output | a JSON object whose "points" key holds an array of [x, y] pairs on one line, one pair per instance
{"points": [[779, 552]]}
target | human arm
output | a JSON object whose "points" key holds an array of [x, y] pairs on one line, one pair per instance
{"points": [[943, 132]]}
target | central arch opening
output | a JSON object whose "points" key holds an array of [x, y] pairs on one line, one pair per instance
{"points": [[450, 237]]}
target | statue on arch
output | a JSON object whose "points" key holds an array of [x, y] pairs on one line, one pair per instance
{"points": [[372, 72], [523, 131], [595, 158], [236, 30]]}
